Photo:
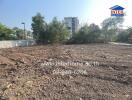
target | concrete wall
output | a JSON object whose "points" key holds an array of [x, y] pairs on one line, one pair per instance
{"points": [[16, 43]]}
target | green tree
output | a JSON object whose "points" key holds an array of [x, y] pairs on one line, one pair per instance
{"points": [[122, 36], [87, 34], [57, 31], [94, 28], [129, 30], [125, 35], [19, 33], [39, 27], [6, 33], [110, 27]]}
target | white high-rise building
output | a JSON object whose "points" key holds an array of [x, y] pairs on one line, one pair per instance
{"points": [[72, 23]]}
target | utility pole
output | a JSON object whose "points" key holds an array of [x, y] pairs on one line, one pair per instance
{"points": [[24, 35]]}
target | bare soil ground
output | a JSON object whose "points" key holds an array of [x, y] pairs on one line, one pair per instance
{"points": [[108, 73]]}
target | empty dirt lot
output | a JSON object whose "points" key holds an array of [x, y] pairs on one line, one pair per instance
{"points": [[104, 72]]}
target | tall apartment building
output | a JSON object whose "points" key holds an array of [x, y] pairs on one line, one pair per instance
{"points": [[72, 23]]}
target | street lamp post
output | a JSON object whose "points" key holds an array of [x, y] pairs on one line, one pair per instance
{"points": [[24, 35]]}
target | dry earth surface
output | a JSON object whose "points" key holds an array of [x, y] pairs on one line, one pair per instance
{"points": [[104, 72]]}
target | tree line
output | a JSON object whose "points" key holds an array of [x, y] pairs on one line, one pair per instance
{"points": [[56, 32], [15, 33]]}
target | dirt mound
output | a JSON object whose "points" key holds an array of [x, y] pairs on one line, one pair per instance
{"points": [[6, 61], [22, 58]]}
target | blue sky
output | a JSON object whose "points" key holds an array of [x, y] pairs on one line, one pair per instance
{"points": [[13, 12]]}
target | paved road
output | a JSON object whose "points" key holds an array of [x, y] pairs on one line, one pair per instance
{"points": [[116, 43]]}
